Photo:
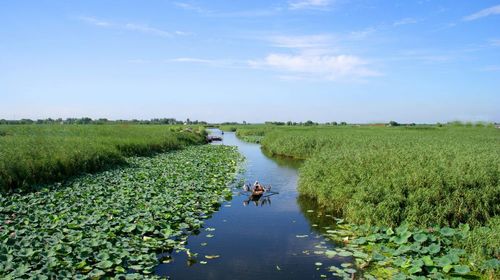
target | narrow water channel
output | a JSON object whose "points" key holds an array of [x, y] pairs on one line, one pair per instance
{"points": [[276, 238]]}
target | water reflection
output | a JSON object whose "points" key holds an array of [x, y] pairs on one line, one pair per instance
{"points": [[258, 199]]}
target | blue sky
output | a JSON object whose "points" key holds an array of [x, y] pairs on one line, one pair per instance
{"points": [[337, 60]]}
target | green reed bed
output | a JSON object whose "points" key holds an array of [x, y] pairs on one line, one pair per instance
{"points": [[114, 223], [32, 154], [418, 176]]}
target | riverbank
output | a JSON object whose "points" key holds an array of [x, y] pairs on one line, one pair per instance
{"points": [[44, 153]]}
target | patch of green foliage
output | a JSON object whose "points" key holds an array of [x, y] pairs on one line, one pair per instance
{"points": [[403, 253], [381, 252], [114, 222], [32, 154]]}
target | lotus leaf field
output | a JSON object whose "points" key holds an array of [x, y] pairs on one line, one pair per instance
{"points": [[114, 223]]}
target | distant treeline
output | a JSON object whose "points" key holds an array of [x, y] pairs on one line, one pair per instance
{"points": [[170, 121], [391, 123], [173, 121]]}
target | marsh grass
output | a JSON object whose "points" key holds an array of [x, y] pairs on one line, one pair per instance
{"points": [[34, 154], [388, 176]]}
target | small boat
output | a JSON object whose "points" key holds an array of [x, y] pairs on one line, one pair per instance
{"points": [[255, 193]]}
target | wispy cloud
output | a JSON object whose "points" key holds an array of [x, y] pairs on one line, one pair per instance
{"points": [[191, 7], [427, 56], [495, 10], [322, 67], [312, 57], [495, 42], [361, 34], [302, 42], [224, 63], [405, 21], [146, 29], [243, 13], [142, 28], [309, 4], [491, 68], [95, 21]]}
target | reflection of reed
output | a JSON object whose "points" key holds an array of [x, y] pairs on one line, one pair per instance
{"points": [[283, 160], [319, 219]]}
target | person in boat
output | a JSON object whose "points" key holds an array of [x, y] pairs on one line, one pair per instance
{"points": [[258, 189]]}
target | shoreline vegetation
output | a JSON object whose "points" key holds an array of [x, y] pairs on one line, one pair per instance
{"points": [[33, 154], [402, 193]]}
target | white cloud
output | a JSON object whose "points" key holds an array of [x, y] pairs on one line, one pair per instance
{"points": [[192, 59], [302, 42], [224, 63], [309, 4], [405, 21], [495, 10], [324, 67], [495, 42], [95, 21], [312, 57], [142, 28], [271, 11], [361, 34], [190, 7]]}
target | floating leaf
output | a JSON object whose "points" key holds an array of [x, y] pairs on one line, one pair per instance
{"points": [[210, 257], [420, 237], [330, 253], [427, 261], [414, 269], [344, 253], [447, 268], [444, 261], [461, 269], [446, 231], [434, 248]]}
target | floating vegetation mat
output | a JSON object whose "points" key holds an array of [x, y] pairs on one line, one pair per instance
{"points": [[114, 223], [401, 253]]}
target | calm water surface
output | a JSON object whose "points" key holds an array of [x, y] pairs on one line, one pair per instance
{"points": [[259, 241]]}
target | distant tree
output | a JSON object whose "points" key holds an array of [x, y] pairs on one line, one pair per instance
{"points": [[343, 123], [334, 123], [309, 123], [393, 123]]}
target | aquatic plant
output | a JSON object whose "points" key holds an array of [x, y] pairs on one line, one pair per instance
{"points": [[115, 222]]}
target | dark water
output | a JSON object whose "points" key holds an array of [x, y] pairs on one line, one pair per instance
{"points": [[260, 241]]}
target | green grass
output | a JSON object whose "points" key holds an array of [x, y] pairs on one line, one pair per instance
{"points": [[114, 222], [33, 154], [384, 176]]}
